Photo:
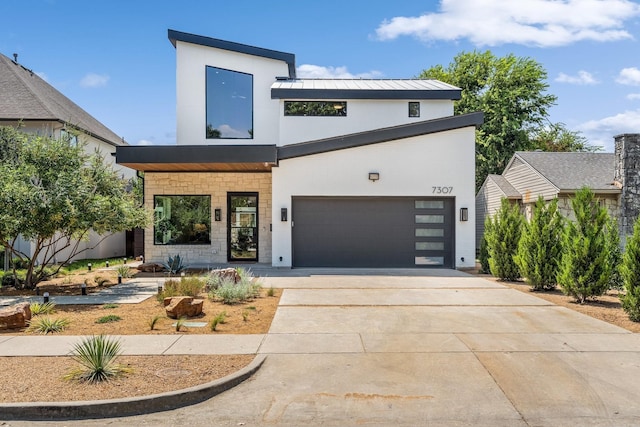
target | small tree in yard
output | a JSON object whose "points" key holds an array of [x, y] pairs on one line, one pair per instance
{"points": [[54, 194], [540, 248], [586, 267], [502, 237], [630, 272]]}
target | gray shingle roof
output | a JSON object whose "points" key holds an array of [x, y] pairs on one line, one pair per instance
{"points": [[572, 171], [25, 96], [509, 191]]}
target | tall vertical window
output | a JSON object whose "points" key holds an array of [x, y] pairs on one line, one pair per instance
{"points": [[414, 109], [229, 104]]}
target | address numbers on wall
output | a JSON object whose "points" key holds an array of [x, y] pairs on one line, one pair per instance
{"points": [[442, 190]]}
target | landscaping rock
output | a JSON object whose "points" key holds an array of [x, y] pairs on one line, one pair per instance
{"points": [[150, 267], [15, 317], [226, 273], [178, 307]]}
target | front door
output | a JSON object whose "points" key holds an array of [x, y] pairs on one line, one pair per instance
{"points": [[242, 226]]}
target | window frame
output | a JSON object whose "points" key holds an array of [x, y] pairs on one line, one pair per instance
{"points": [[414, 113], [250, 131], [342, 108], [208, 225]]}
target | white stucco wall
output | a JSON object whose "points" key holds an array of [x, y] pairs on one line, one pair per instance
{"points": [[409, 167], [191, 62], [362, 115]]}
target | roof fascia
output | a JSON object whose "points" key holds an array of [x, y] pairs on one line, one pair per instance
{"points": [[289, 58], [168, 154], [282, 93]]}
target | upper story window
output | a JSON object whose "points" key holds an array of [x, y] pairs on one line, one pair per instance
{"points": [[414, 109], [229, 104], [315, 108]]}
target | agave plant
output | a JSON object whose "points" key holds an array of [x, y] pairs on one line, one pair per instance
{"points": [[47, 325], [97, 356], [175, 265]]}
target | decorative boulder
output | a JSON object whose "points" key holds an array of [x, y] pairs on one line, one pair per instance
{"points": [[178, 307], [150, 267], [15, 317], [226, 273]]}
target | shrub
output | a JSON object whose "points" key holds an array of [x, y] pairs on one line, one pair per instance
{"points": [[109, 318], [109, 306], [219, 319], [484, 252], [502, 240], [630, 272], [46, 325], [175, 265], [186, 286], [180, 323], [97, 355], [540, 248], [152, 322], [42, 308], [585, 269], [124, 271], [615, 255], [230, 292]]}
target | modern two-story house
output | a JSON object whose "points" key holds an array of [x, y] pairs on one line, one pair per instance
{"points": [[296, 172]]}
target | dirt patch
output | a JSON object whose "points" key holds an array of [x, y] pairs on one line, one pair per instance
{"points": [[40, 379]]}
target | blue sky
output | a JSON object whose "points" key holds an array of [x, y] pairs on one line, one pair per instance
{"points": [[113, 58]]}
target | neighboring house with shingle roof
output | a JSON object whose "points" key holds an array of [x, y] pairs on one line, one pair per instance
{"points": [[613, 177], [33, 105]]}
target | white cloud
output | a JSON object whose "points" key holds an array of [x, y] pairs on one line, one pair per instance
{"points": [[583, 78], [144, 142], [308, 71], [542, 23], [94, 80], [602, 131], [629, 76], [227, 131], [633, 96]]}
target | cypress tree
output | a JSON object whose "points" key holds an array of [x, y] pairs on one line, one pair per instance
{"points": [[540, 246], [630, 272], [502, 241], [585, 269]]}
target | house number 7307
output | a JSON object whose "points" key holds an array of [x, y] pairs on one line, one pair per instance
{"points": [[442, 190]]}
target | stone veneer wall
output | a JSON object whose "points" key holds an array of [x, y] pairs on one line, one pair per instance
{"points": [[217, 185], [627, 167]]}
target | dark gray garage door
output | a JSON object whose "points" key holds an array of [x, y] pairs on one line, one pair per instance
{"points": [[373, 232]]}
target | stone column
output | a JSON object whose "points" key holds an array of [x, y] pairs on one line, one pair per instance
{"points": [[627, 175]]}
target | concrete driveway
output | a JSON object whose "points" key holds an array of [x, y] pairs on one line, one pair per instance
{"points": [[415, 348]]}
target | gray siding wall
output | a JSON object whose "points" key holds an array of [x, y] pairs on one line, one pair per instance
{"points": [[528, 182], [488, 202]]}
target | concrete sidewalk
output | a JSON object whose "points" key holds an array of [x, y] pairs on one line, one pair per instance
{"points": [[408, 350]]}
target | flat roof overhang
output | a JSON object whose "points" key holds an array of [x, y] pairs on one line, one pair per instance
{"points": [[198, 158]]}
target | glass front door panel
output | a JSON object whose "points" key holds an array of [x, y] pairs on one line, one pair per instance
{"points": [[243, 227]]}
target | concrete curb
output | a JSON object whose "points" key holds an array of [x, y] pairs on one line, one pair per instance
{"points": [[51, 411]]}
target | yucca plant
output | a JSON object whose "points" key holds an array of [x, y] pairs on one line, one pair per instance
{"points": [[97, 355], [42, 308], [46, 325]]}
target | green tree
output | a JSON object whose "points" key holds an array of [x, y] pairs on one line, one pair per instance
{"points": [[511, 93], [556, 137], [54, 194], [540, 248], [630, 272], [585, 269], [502, 237]]}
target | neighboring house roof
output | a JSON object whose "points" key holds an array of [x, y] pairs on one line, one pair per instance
{"points": [[572, 171], [25, 96], [289, 58], [363, 89], [507, 189]]}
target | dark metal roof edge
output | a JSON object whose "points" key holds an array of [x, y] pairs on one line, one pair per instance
{"points": [[380, 135], [283, 93], [166, 154], [289, 58]]}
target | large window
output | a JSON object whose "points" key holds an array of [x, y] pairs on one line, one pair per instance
{"points": [[229, 104], [182, 220], [315, 108]]}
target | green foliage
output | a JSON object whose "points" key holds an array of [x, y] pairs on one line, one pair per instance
{"points": [[484, 251], [556, 137], [153, 321], [58, 194], [180, 323], [615, 254], [630, 272], [503, 235], [110, 318], [109, 306], [511, 93], [271, 292], [46, 325], [175, 265], [186, 286], [123, 271], [220, 319], [230, 292], [97, 355], [540, 248], [38, 309], [585, 269]]}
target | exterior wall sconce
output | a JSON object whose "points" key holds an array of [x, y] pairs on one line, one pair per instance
{"points": [[283, 214], [464, 214], [217, 213], [374, 176]]}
